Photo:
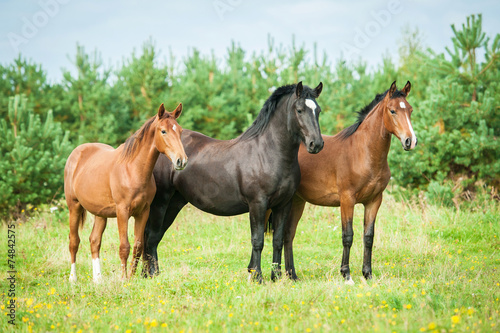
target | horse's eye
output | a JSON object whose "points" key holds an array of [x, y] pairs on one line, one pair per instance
{"points": [[299, 110], [163, 132], [393, 112]]}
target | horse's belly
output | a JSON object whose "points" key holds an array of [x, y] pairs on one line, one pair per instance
{"points": [[96, 208], [322, 199], [222, 206]]}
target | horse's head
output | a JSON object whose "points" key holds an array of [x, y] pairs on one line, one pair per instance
{"points": [[168, 136], [397, 115], [306, 111]]}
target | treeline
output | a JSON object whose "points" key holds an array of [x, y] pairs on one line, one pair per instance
{"points": [[456, 100]]}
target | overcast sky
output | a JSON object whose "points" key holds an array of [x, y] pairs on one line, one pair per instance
{"points": [[47, 30]]}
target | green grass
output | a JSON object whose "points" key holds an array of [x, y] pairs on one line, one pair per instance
{"points": [[435, 269]]}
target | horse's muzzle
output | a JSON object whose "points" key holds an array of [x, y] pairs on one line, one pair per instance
{"points": [[409, 143], [180, 164], [315, 146]]}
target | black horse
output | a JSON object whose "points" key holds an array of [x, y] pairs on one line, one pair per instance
{"points": [[255, 172]]}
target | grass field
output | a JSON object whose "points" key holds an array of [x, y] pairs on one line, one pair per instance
{"points": [[435, 270]]}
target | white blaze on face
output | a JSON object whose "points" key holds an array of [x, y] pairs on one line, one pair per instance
{"points": [[174, 127], [310, 104], [413, 136], [402, 105]]}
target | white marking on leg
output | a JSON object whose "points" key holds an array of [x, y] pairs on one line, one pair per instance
{"points": [[72, 274], [96, 269], [402, 105], [349, 282], [310, 103]]}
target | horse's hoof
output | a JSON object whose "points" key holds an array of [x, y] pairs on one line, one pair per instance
{"points": [[72, 278], [349, 281], [255, 277], [275, 276]]}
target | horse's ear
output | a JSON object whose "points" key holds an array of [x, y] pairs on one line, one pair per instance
{"points": [[407, 88], [177, 112], [392, 89], [161, 110], [318, 89], [298, 90]]}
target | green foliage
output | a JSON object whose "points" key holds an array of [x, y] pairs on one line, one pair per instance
{"points": [[458, 122], [142, 81], [91, 108], [33, 156], [456, 98]]}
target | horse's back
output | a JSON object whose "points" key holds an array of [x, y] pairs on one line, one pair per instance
{"points": [[222, 176], [88, 154]]}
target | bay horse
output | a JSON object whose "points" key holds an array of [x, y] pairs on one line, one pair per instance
{"points": [[258, 170], [119, 183], [351, 169]]}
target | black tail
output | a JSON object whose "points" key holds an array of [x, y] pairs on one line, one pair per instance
{"points": [[269, 225]]}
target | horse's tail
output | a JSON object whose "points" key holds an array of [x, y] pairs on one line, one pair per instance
{"points": [[83, 218], [269, 225]]}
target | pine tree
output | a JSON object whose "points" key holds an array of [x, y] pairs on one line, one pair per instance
{"points": [[458, 123], [144, 82], [95, 112], [33, 156]]}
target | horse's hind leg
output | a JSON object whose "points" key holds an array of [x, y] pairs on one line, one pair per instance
{"points": [[346, 214], [371, 210], [289, 234], [76, 217], [95, 246]]}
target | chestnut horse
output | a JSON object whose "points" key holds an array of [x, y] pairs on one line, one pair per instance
{"points": [[351, 169], [257, 171], [119, 183]]}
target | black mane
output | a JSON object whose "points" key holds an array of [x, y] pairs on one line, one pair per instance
{"points": [[267, 111], [365, 111]]}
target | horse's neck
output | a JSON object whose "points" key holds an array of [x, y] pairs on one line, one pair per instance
{"points": [[144, 161], [376, 136], [279, 132]]}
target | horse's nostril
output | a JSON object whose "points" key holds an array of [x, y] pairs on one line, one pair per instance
{"points": [[179, 163], [408, 143]]}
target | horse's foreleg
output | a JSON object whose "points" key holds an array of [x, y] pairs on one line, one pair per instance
{"points": [[280, 217], [371, 210], [162, 214], [289, 234], [122, 221], [139, 226], [346, 212], [76, 215], [257, 226], [95, 246]]}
